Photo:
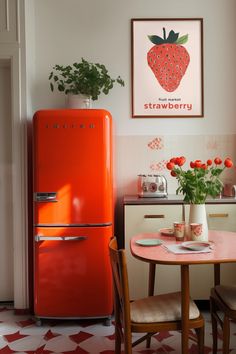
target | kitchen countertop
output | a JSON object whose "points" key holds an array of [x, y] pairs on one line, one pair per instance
{"points": [[172, 199]]}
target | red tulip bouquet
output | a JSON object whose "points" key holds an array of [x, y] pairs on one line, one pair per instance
{"points": [[201, 180]]}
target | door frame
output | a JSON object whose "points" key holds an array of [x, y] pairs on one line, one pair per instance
{"points": [[19, 177]]}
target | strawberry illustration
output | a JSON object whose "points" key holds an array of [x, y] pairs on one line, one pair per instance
{"points": [[168, 59]]}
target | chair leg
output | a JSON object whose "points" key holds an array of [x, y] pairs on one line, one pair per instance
{"points": [[118, 338], [128, 341], [200, 338], [226, 335], [148, 342], [214, 325]]}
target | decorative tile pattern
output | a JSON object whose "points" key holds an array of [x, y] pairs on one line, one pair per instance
{"points": [[212, 144], [158, 166], [19, 334], [156, 144]]}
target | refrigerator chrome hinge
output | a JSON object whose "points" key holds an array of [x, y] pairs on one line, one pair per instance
{"points": [[37, 238]]}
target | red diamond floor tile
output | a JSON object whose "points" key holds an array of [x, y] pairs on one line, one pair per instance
{"points": [[80, 337], [13, 337], [20, 334]]}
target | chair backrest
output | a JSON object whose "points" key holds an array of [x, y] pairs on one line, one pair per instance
{"points": [[120, 284]]}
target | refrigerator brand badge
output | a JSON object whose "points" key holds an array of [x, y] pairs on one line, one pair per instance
{"points": [[66, 126]]}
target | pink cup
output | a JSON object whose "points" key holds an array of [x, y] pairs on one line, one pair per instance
{"points": [[179, 230], [196, 231]]}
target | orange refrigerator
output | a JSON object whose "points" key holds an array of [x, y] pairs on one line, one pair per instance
{"points": [[72, 213]]}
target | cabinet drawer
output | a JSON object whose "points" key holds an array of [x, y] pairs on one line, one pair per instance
{"points": [[142, 218], [221, 217]]}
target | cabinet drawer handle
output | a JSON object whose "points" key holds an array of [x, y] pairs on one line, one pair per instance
{"points": [[220, 215], [154, 216]]}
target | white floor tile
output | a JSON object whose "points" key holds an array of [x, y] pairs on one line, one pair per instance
{"points": [[59, 337]]}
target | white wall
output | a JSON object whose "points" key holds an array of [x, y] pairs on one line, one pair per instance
{"points": [[66, 30], [100, 31]]}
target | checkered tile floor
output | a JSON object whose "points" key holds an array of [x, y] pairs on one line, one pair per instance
{"points": [[20, 334]]}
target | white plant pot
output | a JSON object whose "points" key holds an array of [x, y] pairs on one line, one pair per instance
{"points": [[78, 101], [198, 215]]}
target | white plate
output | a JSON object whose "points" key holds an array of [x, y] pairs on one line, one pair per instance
{"points": [[196, 245], [149, 242], [167, 232]]}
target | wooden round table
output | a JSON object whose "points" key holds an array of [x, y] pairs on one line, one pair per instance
{"points": [[223, 250]]}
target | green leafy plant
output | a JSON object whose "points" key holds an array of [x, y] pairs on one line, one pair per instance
{"points": [[201, 180], [83, 78]]}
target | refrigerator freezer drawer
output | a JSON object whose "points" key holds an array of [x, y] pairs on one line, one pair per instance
{"points": [[72, 273]]}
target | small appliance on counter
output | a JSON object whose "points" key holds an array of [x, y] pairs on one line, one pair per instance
{"points": [[152, 186]]}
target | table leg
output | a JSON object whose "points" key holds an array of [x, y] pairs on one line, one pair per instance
{"points": [[185, 306], [151, 280], [216, 274]]}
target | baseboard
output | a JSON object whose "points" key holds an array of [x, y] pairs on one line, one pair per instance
{"points": [[10, 304], [203, 305], [7, 304], [21, 311]]}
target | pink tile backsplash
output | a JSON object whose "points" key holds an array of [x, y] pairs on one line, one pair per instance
{"points": [[148, 154]]}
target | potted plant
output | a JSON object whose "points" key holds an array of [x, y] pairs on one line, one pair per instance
{"points": [[84, 78], [201, 180], [197, 183]]}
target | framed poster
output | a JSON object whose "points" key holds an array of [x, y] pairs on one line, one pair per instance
{"points": [[167, 67]]}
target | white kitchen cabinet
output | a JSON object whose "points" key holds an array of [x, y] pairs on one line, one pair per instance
{"points": [[144, 219], [142, 215], [219, 217]]}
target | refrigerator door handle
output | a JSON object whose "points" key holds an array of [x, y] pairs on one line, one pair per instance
{"points": [[45, 197], [39, 238]]}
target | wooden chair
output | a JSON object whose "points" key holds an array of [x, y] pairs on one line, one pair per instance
{"points": [[222, 302], [148, 315]]}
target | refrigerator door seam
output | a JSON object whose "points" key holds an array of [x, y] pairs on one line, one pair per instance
{"points": [[73, 225]]}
